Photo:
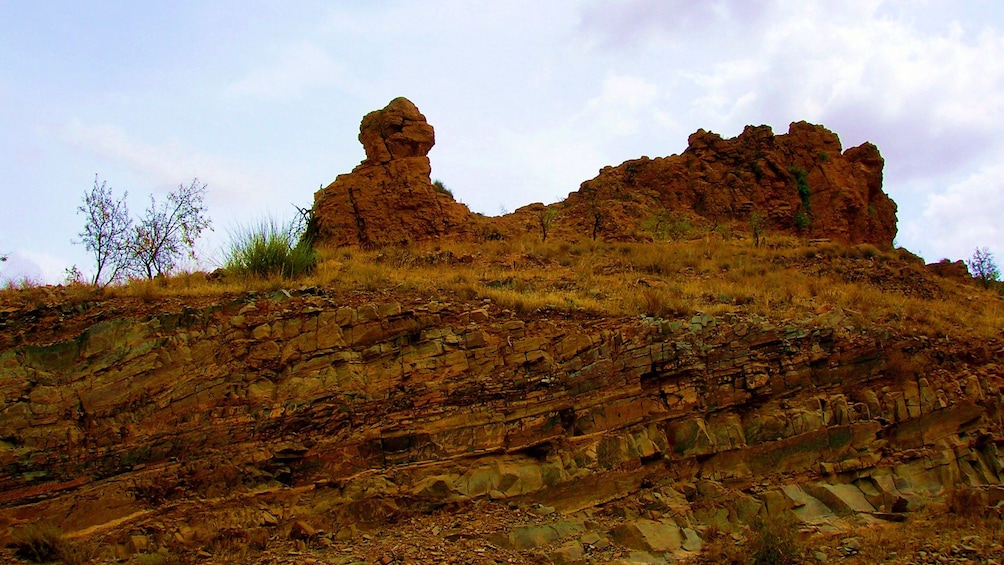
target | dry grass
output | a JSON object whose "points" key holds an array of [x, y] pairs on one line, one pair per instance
{"points": [[44, 543], [771, 542], [852, 286], [963, 527]]}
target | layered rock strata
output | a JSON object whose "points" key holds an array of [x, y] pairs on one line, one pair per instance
{"points": [[361, 413]]}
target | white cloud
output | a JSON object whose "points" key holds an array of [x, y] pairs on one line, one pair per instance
{"points": [[163, 166], [963, 217], [32, 267], [623, 105]]}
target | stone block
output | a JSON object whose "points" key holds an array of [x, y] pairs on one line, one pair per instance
{"points": [[649, 535]]}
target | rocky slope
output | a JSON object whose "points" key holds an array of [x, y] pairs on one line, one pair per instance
{"points": [[358, 415], [309, 420]]}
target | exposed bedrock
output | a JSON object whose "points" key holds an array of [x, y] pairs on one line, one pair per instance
{"points": [[362, 412]]}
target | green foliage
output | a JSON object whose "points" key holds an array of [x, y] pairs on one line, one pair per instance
{"points": [[666, 226], [758, 224], [545, 218], [803, 219], [802, 184], [269, 249], [824, 156], [441, 188]]}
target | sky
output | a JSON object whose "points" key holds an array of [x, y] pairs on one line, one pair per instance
{"points": [[261, 100]]}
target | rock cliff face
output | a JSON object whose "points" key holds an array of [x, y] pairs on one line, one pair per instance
{"points": [[800, 182], [389, 198], [360, 413]]}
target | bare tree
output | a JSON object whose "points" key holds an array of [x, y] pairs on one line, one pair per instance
{"points": [[167, 231], [983, 267], [106, 234]]}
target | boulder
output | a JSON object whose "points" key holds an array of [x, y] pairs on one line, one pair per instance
{"points": [[649, 535]]}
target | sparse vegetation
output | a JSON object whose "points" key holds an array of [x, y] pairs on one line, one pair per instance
{"points": [[441, 188], [168, 231], [781, 279], [44, 543], [107, 232], [758, 225], [983, 267], [545, 219], [666, 226], [803, 219], [269, 249], [773, 541], [153, 246]]}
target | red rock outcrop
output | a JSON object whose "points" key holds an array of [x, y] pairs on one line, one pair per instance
{"points": [[802, 182], [953, 270], [389, 198]]}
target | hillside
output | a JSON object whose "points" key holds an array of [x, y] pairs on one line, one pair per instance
{"points": [[455, 389]]}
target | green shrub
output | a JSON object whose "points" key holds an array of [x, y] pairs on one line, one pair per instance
{"points": [[441, 188], [269, 249], [664, 226], [801, 177], [802, 220]]}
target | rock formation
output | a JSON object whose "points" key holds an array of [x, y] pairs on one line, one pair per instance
{"points": [[800, 182], [389, 198], [357, 414]]}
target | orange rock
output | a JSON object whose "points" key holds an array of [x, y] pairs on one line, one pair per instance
{"points": [[389, 198], [801, 182]]}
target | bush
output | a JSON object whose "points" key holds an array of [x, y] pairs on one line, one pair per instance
{"points": [[269, 249], [775, 542], [441, 188], [44, 543]]}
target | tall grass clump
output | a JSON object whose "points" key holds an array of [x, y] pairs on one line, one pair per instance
{"points": [[270, 249], [44, 543]]}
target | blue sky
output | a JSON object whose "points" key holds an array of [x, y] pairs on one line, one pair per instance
{"points": [[261, 100]]}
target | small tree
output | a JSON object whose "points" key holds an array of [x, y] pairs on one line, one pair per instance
{"points": [[106, 234], [983, 267], [168, 230], [758, 223], [545, 218]]}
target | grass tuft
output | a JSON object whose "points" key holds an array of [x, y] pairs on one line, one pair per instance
{"points": [[268, 249], [44, 543]]}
